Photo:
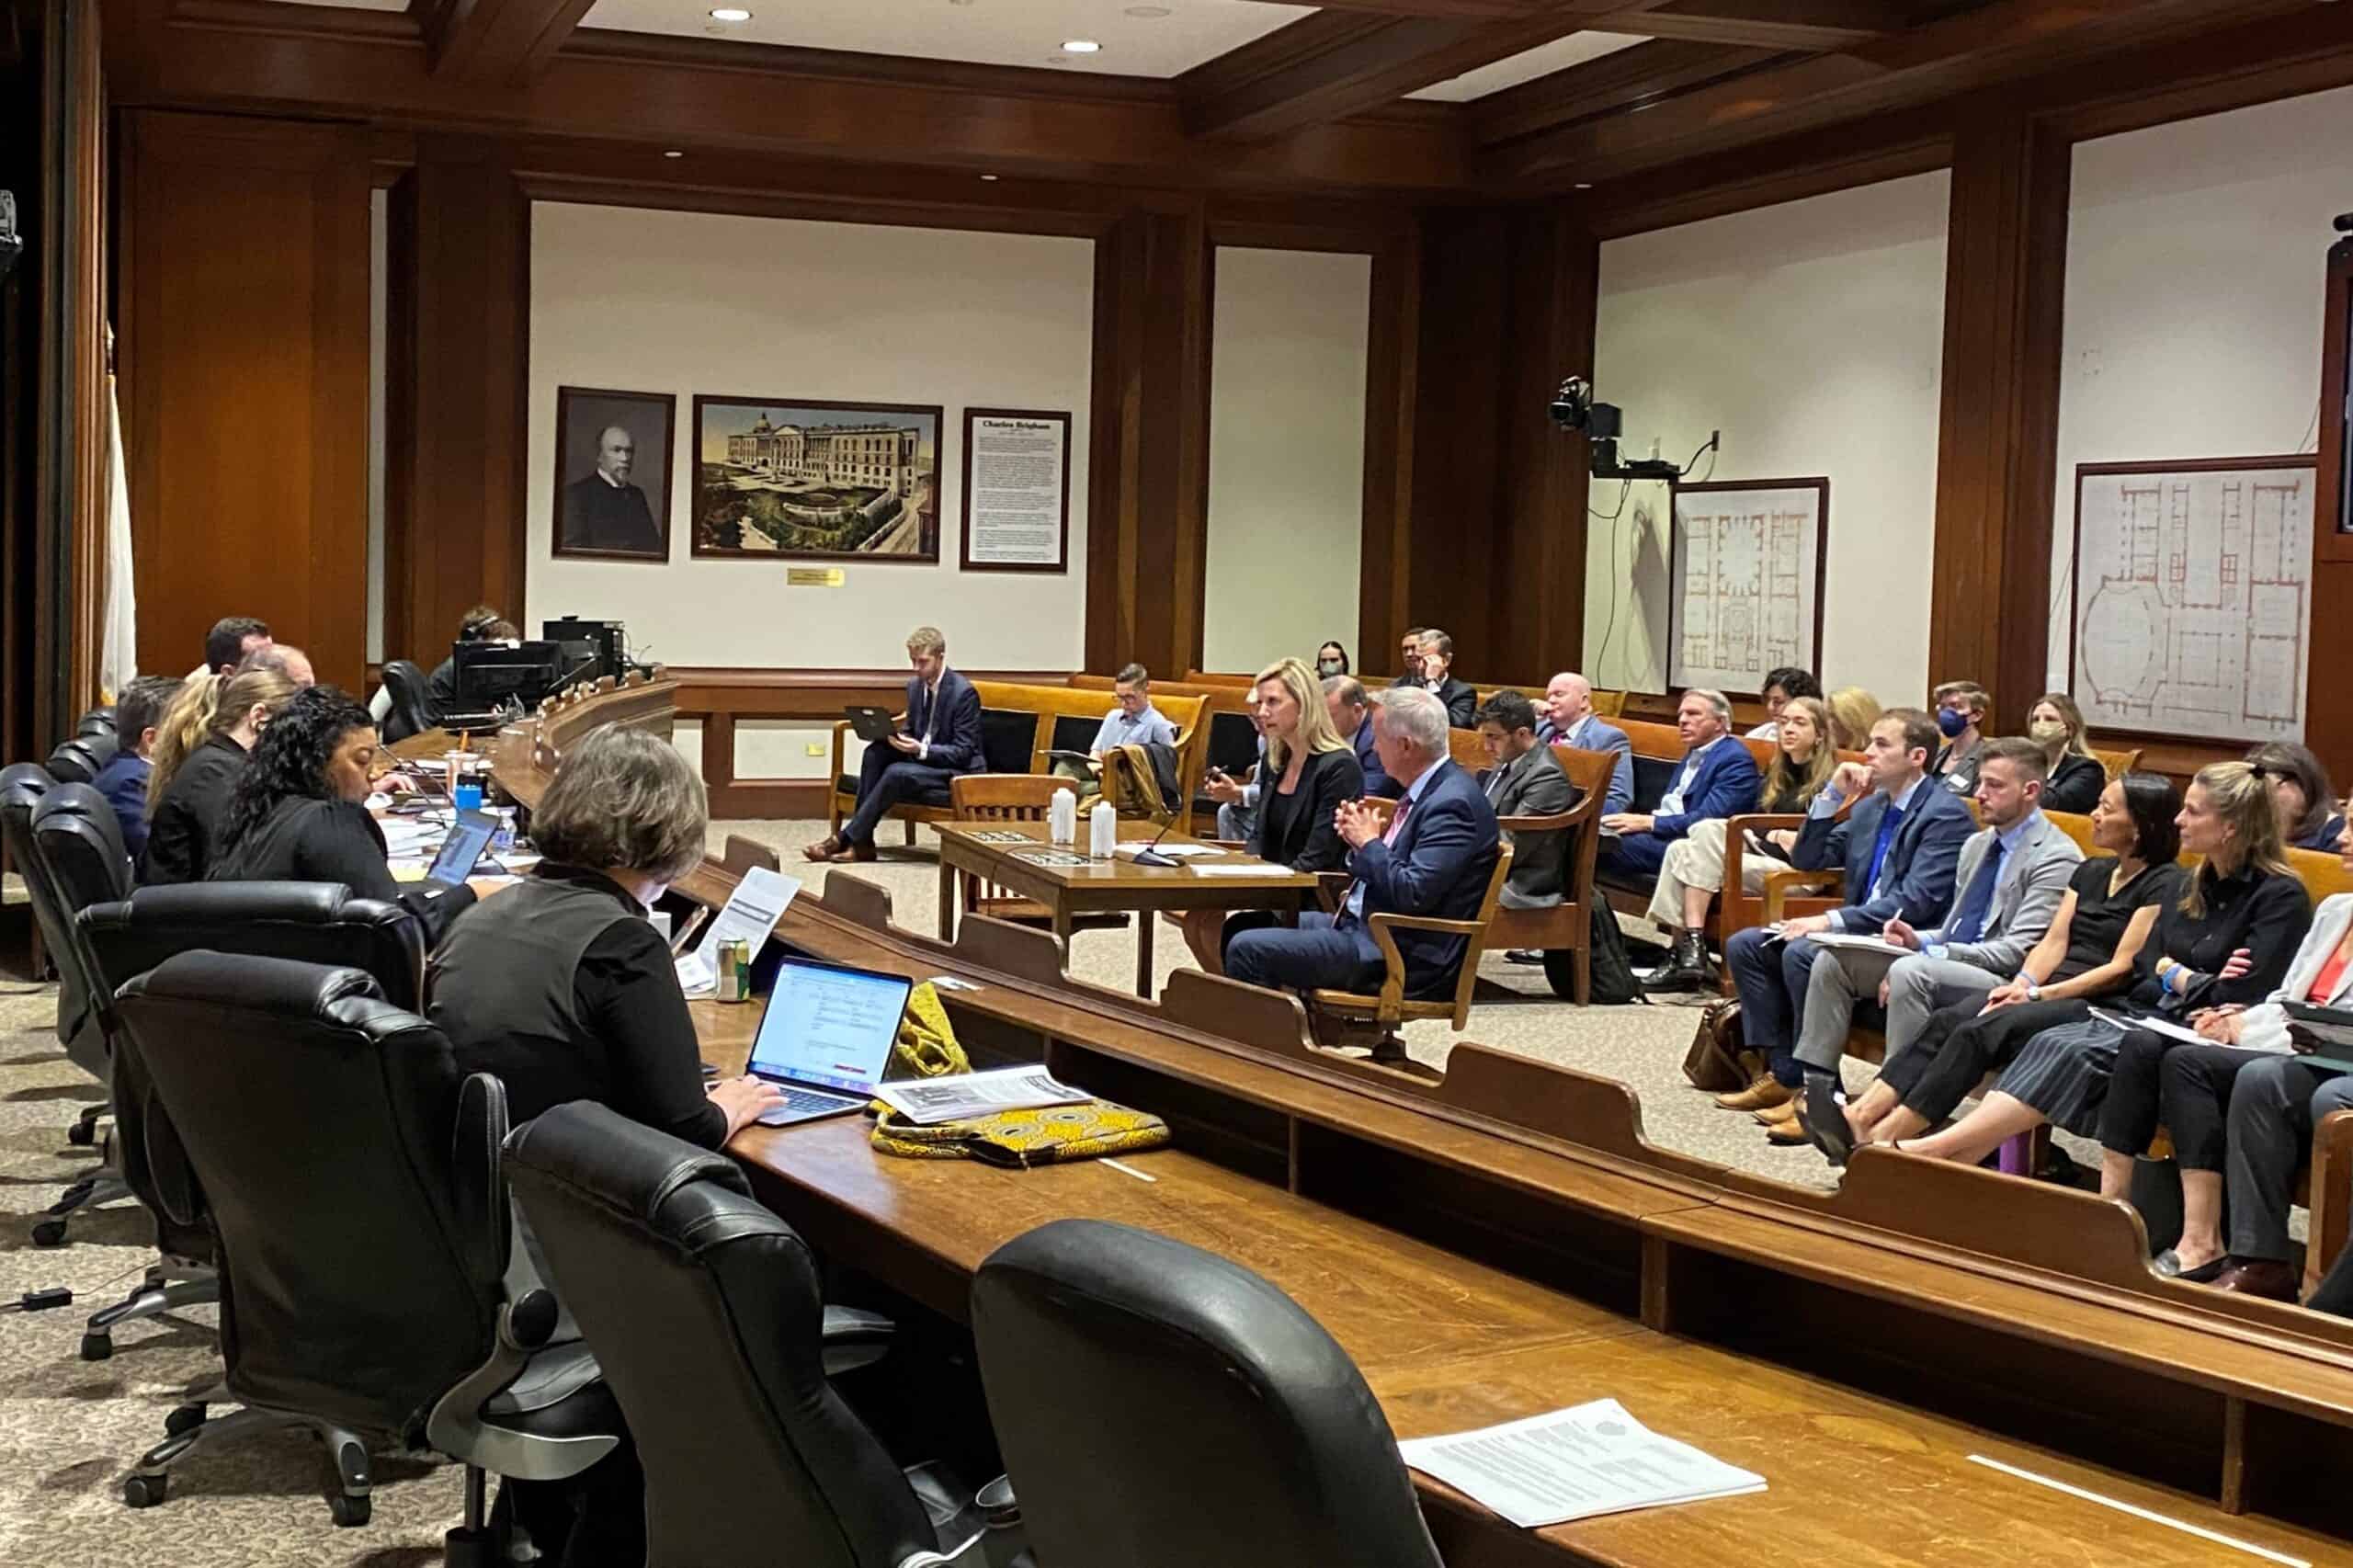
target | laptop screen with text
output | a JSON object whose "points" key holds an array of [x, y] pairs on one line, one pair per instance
{"points": [[829, 1027]]}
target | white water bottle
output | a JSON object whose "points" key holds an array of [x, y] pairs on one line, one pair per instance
{"points": [[1061, 817], [1102, 829]]}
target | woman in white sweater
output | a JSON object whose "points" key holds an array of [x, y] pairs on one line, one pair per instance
{"points": [[2241, 1101]]}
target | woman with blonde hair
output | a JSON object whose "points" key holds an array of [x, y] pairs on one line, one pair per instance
{"points": [[2227, 943], [201, 748], [1693, 873], [2077, 777], [1853, 712], [1310, 770]]}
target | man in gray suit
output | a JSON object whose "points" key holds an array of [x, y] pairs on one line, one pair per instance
{"points": [[1570, 721], [2012, 876], [1526, 782]]}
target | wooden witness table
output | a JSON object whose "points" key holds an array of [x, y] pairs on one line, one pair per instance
{"points": [[1506, 1242], [1020, 857]]}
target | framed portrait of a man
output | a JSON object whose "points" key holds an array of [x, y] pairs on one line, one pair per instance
{"points": [[612, 480]]}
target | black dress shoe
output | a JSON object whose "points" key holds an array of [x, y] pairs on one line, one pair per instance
{"points": [[2264, 1277], [1824, 1120], [1524, 955], [1689, 969]]}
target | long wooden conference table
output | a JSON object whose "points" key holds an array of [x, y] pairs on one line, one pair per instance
{"points": [[1934, 1365]]}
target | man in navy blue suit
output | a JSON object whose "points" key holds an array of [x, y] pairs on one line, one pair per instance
{"points": [[1351, 713], [1717, 778], [942, 739], [1434, 859], [1900, 848]]}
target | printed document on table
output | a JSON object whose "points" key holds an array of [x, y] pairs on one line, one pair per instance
{"points": [[1175, 851], [959, 1096], [758, 901], [1573, 1464]]}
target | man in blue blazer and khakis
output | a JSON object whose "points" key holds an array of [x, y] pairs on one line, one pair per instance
{"points": [[1900, 848], [941, 740], [1717, 777], [1433, 858]]}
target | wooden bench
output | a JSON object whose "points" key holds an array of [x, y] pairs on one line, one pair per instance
{"points": [[1057, 715]]}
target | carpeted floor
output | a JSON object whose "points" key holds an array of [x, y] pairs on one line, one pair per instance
{"points": [[70, 1429]]}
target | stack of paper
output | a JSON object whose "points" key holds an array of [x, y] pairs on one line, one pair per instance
{"points": [[959, 1096], [1573, 1464]]}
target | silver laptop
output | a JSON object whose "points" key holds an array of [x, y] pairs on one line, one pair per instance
{"points": [[825, 1038]]}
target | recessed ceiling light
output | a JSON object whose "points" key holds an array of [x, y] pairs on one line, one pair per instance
{"points": [[1584, 184], [672, 153], [1147, 13], [730, 14], [1081, 46], [988, 176]]}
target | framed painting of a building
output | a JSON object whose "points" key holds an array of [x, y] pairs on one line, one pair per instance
{"points": [[803, 479]]}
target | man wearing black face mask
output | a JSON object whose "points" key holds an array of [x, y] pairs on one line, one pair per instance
{"points": [[1961, 707]]}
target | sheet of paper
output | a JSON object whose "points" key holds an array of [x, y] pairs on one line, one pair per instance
{"points": [[949, 983], [1573, 1464], [752, 912], [2164, 1027], [1859, 942], [1174, 851], [962, 1095], [1238, 868]]}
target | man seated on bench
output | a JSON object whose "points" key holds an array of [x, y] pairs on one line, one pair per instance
{"points": [[2013, 873], [1570, 721], [1435, 858], [942, 739], [1717, 778], [1899, 849]]}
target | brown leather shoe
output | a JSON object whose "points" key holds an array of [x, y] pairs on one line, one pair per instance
{"points": [[1775, 1116], [849, 853], [824, 849], [1759, 1095], [1787, 1134], [2264, 1277]]}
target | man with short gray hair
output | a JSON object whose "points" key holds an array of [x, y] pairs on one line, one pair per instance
{"points": [[1717, 778], [1434, 857]]}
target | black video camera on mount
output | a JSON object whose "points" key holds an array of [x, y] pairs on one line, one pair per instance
{"points": [[1573, 408]]}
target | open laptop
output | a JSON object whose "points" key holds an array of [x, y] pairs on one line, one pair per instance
{"points": [[872, 724], [469, 834], [826, 1038]]}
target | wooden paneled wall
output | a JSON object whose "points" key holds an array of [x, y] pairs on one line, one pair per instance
{"points": [[244, 316], [2328, 693]]}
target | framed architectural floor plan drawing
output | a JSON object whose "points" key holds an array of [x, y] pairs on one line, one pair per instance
{"points": [[1744, 578], [2193, 598]]}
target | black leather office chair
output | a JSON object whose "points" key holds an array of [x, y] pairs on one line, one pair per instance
{"points": [[22, 786], [704, 1310], [74, 857], [79, 760], [1161, 1407], [311, 921], [412, 712], [98, 721], [364, 1235]]}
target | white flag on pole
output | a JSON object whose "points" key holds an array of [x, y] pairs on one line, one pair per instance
{"points": [[117, 636]]}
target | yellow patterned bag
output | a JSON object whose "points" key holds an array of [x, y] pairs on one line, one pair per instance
{"points": [[926, 1045], [1044, 1135]]}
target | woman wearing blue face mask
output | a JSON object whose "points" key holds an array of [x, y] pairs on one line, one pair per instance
{"points": [[1960, 710], [1331, 660]]}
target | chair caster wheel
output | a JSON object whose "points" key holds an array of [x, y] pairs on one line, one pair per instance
{"points": [[49, 1233], [82, 1134], [185, 1418], [96, 1346], [145, 1490], [348, 1511]]}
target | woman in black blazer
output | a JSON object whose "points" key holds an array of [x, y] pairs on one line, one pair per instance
{"points": [[1310, 770]]}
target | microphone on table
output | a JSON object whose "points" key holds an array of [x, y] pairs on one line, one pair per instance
{"points": [[1150, 854]]}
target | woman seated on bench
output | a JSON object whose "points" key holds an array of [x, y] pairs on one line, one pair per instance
{"points": [[2254, 1073], [1693, 873], [2228, 940], [2110, 907], [1309, 770]]}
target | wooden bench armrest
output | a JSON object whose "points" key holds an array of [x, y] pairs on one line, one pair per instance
{"points": [[1780, 885], [1736, 832], [2331, 1194], [1392, 984]]}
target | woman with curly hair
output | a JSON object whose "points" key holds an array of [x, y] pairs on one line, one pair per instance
{"points": [[298, 813]]}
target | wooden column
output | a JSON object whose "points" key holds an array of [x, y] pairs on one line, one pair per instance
{"points": [[243, 351], [1495, 551], [1393, 353], [2328, 695], [2005, 294], [456, 336], [1147, 516]]}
